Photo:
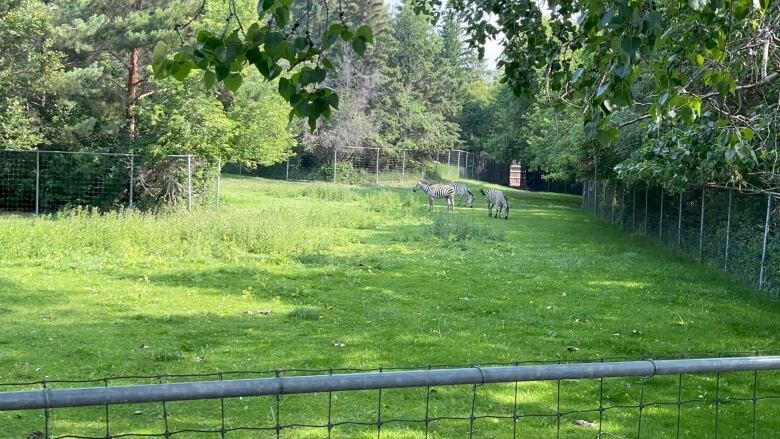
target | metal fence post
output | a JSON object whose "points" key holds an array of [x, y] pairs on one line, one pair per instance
{"points": [[335, 161], [219, 178], [763, 246], [728, 232], [595, 196], [633, 209], [403, 166], [37, 181], [287, 169], [189, 181], [661, 218], [647, 187], [679, 221], [612, 203], [701, 223], [458, 164], [622, 205], [132, 182], [377, 165]]}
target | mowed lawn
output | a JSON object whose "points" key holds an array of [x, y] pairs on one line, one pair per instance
{"points": [[318, 276]]}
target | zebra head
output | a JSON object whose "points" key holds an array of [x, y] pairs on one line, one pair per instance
{"points": [[483, 192], [420, 186]]}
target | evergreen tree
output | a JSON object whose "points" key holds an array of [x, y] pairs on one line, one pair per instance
{"points": [[116, 39]]}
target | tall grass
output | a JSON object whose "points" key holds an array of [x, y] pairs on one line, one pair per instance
{"points": [[129, 236], [454, 231]]}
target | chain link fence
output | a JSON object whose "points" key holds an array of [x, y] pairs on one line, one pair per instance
{"points": [[49, 181], [733, 230], [355, 165]]}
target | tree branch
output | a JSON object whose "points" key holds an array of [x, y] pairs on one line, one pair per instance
{"points": [[766, 80], [633, 121]]}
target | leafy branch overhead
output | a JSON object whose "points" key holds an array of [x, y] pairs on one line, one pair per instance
{"points": [[274, 44], [590, 53]]}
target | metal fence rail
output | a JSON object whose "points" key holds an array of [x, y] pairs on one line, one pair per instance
{"points": [[644, 398]]}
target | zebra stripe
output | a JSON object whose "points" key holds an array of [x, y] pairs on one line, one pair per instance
{"points": [[463, 190], [496, 198], [437, 191]]}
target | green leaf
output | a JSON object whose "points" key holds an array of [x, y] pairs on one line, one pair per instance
{"points": [[222, 72], [301, 43], [699, 60], [630, 45], [264, 5], [272, 39], [286, 88], [282, 16], [158, 57], [255, 35], [606, 136], [209, 79], [604, 87], [664, 98], [577, 74], [366, 33], [332, 99], [329, 38], [233, 81], [606, 17], [327, 63], [337, 28], [359, 46], [183, 70]]}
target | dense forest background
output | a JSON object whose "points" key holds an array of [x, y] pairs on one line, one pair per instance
{"points": [[675, 93], [76, 76]]}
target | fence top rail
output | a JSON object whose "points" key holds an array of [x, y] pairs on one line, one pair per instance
{"points": [[98, 396], [115, 154], [747, 191]]}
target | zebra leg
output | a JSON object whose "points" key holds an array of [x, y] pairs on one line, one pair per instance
{"points": [[451, 203], [430, 204], [490, 209]]}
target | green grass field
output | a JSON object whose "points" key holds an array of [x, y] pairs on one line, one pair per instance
{"points": [[317, 276]]}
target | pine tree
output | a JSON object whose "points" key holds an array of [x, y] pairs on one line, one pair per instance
{"points": [[117, 38]]}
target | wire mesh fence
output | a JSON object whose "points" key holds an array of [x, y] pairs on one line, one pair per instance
{"points": [[360, 166], [50, 181], [700, 397], [735, 231]]}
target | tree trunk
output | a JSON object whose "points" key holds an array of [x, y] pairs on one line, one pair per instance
{"points": [[132, 86]]}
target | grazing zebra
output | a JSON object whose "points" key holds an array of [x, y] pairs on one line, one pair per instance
{"points": [[437, 191], [462, 190], [496, 198]]}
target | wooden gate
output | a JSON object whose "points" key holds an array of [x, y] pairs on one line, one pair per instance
{"points": [[516, 175]]}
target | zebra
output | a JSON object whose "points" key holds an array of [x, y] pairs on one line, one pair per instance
{"points": [[462, 190], [437, 191], [496, 198]]}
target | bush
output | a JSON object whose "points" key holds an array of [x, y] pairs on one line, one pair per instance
{"points": [[347, 173]]}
